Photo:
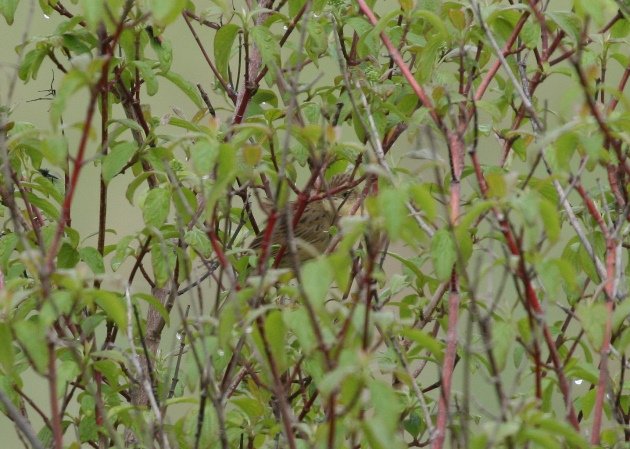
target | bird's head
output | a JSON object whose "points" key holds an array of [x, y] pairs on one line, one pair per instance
{"points": [[343, 194]]}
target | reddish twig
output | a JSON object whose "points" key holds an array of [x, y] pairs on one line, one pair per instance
{"points": [[395, 55]]}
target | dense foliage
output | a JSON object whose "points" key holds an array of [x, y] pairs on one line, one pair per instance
{"points": [[476, 296]]}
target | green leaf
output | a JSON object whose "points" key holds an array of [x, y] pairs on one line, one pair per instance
{"points": [[68, 256], [88, 429], [413, 424], [147, 73], [166, 11], [530, 34], [7, 9], [477, 209], [123, 250], [295, 6], [425, 341], [569, 22], [155, 303], [392, 207], [223, 42], [620, 315], [551, 219], [31, 64], [125, 124], [55, 150], [298, 322], [340, 261], [439, 27], [113, 304], [164, 52], [561, 153], [275, 332], [592, 317], [387, 406], [226, 169], [253, 408], [46, 206], [73, 80], [561, 428], [199, 241], [464, 243], [163, 262], [93, 259], [228, 324], [67, 372], [185, 86], [93, 12], [6, 348], [8, 242], [421, 196], [317, 275], [204, 154], [497, 185], [317, 36], [443, 254], [32, 336], [156, 207], [502, 338], [268, 46], [133, 185], [117, 159]]}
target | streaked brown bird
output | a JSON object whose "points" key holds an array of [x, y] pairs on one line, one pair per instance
{"points": [[312, 231]]}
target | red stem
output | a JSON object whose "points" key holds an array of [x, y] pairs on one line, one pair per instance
{"points": [[448, 365], [54, 402], [395, 55], [64, 220], [483, 86]]}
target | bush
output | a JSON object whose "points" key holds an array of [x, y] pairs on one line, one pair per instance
{"points": [[364, 225]]}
